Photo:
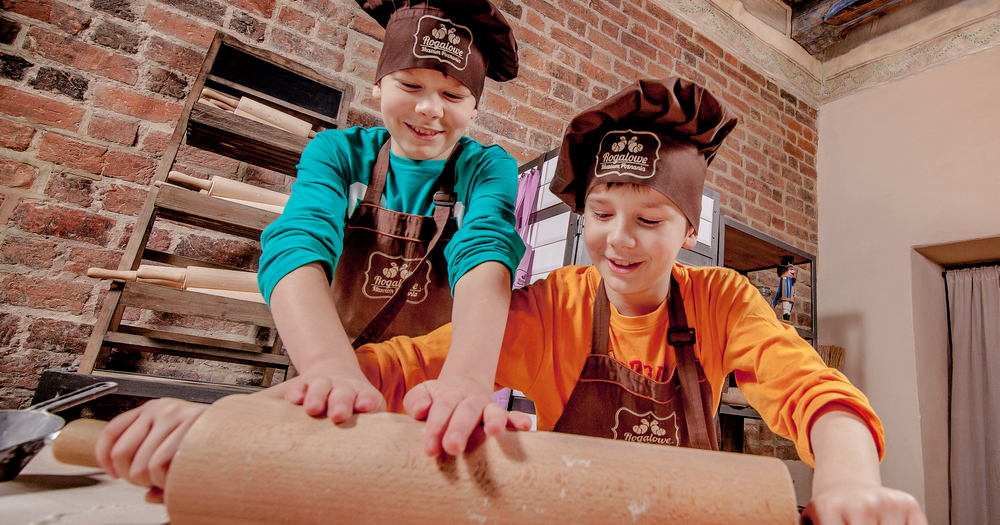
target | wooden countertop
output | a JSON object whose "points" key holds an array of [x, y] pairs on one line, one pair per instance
{"points": [[47, 492]]}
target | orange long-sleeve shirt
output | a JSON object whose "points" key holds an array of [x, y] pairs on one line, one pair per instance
{"points": [[547, 341]]}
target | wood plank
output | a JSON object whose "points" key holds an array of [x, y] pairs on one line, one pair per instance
{"points": [[195, 340], [222, 132], [183, 302], [183, 262], [191, 207], [55, 381], [140, 343]]}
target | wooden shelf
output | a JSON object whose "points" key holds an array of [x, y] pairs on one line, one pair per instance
{"points": [[198, 209], [746, 249], [221, 132]]}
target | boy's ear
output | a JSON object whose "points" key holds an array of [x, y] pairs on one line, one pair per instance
{"points": [[377, 92], [692, 238]]}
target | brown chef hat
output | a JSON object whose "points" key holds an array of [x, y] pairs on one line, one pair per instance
{"points": [[465, 39], [658, 133]]}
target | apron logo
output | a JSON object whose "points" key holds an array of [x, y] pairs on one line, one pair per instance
{"points": [[385, 274], [627, 152], [442, 40], [646, 428]]}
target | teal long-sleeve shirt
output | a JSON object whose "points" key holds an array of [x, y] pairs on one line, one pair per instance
{"points": [[333, 175]]}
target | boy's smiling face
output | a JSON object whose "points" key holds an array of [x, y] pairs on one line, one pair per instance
{"points": [[425, 111], [633, 234]]}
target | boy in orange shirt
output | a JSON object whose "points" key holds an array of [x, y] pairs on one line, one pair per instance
{"points": [[635, 347]]}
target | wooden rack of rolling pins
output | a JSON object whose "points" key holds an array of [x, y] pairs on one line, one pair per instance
{"points": [[258, 108]]}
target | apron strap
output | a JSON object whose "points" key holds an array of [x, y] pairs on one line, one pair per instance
{"points": [[601, 325], [376, 183], [444, 204], [682, 338]]}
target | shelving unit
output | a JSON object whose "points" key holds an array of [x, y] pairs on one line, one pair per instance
{"points": [[237, 70], [746, 250]]}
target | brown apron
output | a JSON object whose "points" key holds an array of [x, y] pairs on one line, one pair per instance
{"points": [[612, 401], [386, 251]]}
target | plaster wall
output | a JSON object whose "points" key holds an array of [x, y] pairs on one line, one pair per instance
{"points": [[909, 163]]}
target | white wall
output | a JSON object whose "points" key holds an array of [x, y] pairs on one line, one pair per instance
{"points": [[914, 162]]}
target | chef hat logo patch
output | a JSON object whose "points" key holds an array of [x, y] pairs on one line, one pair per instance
{"points": [[442, 40], [628, 153]]}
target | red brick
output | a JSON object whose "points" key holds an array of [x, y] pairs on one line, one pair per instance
{"points": [[120, 199], [53, 335], [296, 19], [574, 79], [771, 206], [15, 136], [199, 157], [235, 253], [81, 259], [691, 47], [39, 109], [572, 42], [62, 222], [38, 9], [70, 188], [128, 102], [529, 117], [630, 40], [721, 81], [310, 50], [28, 251], [709, 46], [363, 70], [367, 26], [503, 127], [179, 26], [174, 56], [16, 175], [598, 74], [264, 8], [113, 129], [69, 19], [82, 56], [366, 51], [48, 294], [665, 18], [68, 152], [547, 10], [730, 186], [794, 151], [155, 143], [128, 167], [527, 37], [610, 12], [638, 14], [689, 73]]}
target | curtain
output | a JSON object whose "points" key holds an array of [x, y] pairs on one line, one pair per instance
{"points": [[974, 311]]}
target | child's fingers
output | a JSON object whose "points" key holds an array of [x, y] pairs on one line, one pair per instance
{"points": [[519, 420], [124, 450], [296, 393], [109, 436], [154, 495], [369, 400], [441, 410], [138, 472], [160, 460], [494, 419], [464, 420], [317, 392], [340, 403], [417, 402]]}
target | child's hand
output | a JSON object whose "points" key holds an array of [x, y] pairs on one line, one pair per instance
{"points": [[862, 504], [453, 408], [140, 444], [337, 392]]}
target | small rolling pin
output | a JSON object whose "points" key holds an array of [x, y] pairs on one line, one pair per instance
{"points": [[231, 189], [258, 111], [252, 460], [224, 283]]}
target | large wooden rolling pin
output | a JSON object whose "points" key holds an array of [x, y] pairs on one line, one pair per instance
{"points": [[249, 460]]}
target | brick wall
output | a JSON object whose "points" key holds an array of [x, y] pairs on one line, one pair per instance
{"points": [[90, 89]]}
